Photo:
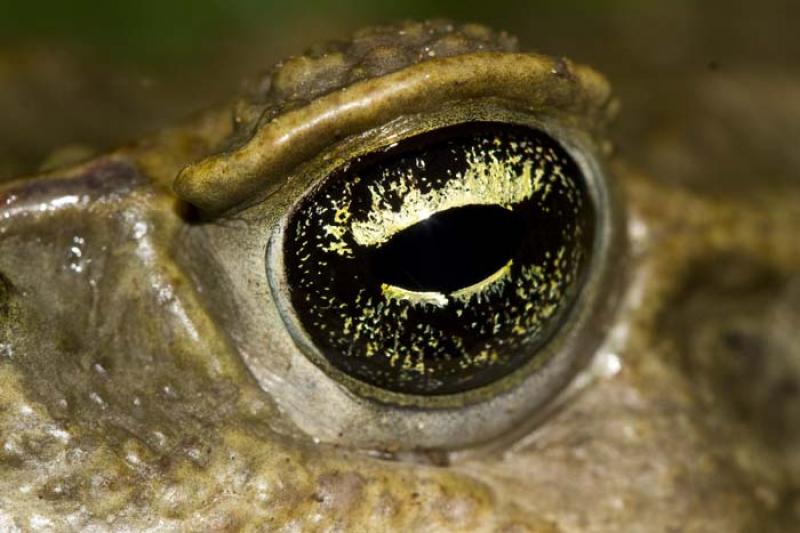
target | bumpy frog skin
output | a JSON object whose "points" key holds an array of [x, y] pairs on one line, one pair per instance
{"points": [[148, 382]]}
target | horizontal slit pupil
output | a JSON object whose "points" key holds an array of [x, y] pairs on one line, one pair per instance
{"points": [[450, 250]]}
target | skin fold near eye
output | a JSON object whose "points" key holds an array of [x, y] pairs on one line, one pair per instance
{"points": [[443, 262]]}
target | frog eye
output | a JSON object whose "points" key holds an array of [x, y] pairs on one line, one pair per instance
{"points": [[440, 264], [424, 254]]}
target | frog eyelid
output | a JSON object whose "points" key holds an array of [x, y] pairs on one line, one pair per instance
{"points": [[253, 170]]}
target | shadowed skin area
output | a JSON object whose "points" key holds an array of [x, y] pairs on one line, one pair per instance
{"points": [[144, 383]]}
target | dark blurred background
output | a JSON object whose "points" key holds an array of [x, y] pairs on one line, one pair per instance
{"points": [[710, 75]]}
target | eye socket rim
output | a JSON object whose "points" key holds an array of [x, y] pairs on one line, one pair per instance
{"points": [[590, 301]]}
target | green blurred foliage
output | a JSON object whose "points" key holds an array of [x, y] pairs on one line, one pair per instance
{"points": [[165, 30]]}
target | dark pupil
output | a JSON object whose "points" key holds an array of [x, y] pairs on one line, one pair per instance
{"points": [[450, 250]]}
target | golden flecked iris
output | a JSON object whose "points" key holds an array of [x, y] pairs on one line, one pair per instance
{"points": [[444, 262]]}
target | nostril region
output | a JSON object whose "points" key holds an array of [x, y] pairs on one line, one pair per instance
{"points": [[746, 349]]}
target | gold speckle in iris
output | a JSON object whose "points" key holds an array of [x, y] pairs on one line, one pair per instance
{"points": [[444, 262]]}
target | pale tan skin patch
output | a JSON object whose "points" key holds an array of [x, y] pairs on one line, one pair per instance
{"points": [[128, 355]]}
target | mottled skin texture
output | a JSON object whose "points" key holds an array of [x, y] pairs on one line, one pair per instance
{"points": [[129, 396]]}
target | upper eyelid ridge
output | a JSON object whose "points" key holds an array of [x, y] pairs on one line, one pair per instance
{"points": [[255, 169]]}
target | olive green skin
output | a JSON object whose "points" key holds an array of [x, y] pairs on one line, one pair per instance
{"points": [[145, 383]]}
